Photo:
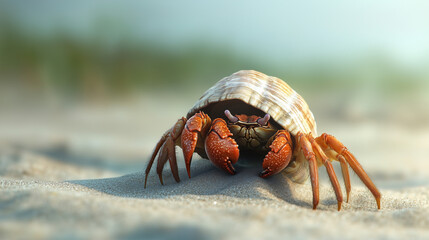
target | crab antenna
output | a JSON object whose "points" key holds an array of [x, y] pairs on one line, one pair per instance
{"points": [[231, 118], [263, 121]]}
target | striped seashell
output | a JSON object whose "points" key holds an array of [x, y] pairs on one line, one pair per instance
{"points": [[254, 93], [268, 94]]}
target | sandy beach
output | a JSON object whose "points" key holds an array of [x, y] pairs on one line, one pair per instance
{"points": [[87, 89], [64, 176]]}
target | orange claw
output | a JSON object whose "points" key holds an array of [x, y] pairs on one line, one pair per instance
{"points": [[279, 157], [195, 127], [221, 149]]}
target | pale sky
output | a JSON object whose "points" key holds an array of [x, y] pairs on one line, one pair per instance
{"points": [[269, 30]]}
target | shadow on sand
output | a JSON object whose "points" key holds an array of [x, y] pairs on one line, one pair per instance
{"points": [[206, 180]]}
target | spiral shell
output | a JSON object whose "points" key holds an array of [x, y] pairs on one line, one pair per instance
{"points": [[269, 94]]}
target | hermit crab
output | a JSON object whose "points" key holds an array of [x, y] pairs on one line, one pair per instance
{"points": [[252, 112]]}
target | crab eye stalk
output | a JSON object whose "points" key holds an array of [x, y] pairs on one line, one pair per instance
{"points": [[263, 121], [231, 118]]}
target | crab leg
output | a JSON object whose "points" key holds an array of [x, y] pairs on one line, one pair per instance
{"points": [[221, 149], [167, 152], [195, 127], [330, 170], [346, 176], [331, 154], [166, 148], [338, 147], [306, 148], [279, 157]]}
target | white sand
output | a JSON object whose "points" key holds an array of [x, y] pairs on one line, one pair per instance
{"points": [[66, 193]]}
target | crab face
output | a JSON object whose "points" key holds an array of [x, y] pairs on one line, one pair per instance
{"points": [[251, 132]]}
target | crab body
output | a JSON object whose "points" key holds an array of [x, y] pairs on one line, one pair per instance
{"points": [[269, 119], [250, 134]]}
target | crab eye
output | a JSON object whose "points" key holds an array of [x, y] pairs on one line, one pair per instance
{"points": [[263, 121], [231, 118]]}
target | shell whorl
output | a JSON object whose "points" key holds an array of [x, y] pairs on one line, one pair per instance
{"points": [[266, 93]]}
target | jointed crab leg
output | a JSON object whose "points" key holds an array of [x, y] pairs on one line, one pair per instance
{"points": [[331, 173], [166, 145], [167, 151], [338, 147], [152, 159], [306, 148], [331, 154], [346, 176], [197, 126]]}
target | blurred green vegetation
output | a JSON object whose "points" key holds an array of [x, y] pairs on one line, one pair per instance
{"points": [[74, 68]]}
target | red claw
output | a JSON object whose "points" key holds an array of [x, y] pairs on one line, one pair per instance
{"points": [[279, 157], [221, 149]]}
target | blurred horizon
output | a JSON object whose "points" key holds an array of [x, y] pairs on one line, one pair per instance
{"points": [[348, 56]]}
